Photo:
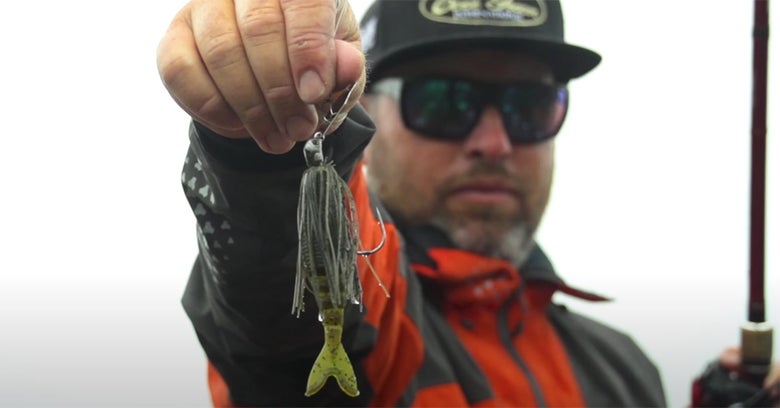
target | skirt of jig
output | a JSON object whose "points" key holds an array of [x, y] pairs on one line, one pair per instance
{"points": [[327, 239]]}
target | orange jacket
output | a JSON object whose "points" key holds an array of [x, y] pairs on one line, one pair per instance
{"points": [[458, 329]]}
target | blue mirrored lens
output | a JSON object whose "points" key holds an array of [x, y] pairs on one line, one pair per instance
{"points": [[450, 108]]}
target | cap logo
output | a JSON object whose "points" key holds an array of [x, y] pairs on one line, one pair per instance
{"points": [[516, 13]]}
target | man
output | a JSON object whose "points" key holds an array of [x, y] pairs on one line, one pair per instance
{"points": [[467, 98]]}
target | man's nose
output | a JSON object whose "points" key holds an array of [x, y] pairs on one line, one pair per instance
{"points": [[488, 139]]}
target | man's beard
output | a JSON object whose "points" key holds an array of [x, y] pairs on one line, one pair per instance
{"points": [[487, 234], [488, 230], [485, 230]]}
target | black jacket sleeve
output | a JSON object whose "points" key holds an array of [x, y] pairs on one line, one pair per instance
{"points": [[239, 295]]}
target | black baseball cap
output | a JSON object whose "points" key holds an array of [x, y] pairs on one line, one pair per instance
{"points": [[395, 31]]}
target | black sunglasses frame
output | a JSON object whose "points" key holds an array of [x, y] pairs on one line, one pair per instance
{"points": [[524, 132]]}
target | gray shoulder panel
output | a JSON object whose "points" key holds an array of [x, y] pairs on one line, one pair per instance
{"points": [[611, 369]]}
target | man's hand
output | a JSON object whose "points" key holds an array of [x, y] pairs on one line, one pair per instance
{"points": [[730, 360], [251, 68], [721, 385]]}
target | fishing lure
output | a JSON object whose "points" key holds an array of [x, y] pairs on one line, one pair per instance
{"points": [[328, 247]]}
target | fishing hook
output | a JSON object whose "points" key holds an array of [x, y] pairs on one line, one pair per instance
{"points": [[382, 242]]}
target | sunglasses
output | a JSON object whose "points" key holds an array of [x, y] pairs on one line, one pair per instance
{"points": [[449, 108]]}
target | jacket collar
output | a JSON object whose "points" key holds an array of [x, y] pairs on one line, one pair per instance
{"points": [[437, 259]]}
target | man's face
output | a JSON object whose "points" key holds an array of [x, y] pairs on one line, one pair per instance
{"points": [[487, 194]]}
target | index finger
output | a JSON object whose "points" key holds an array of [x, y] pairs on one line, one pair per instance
{"points": [[342, 74], [270, 29], [310, 30]]}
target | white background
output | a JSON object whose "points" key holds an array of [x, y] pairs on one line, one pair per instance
{"points": [[650, 203]]}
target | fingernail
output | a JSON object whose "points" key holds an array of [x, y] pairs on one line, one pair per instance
{"points": [[278, 144], [311, 87], [298, 128], [262, 142]]}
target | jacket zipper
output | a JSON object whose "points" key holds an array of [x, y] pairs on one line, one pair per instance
{"points": [[506, 340]]}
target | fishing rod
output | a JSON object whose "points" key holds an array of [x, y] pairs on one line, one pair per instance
{"points": [[757, 334], [716, 387]]}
